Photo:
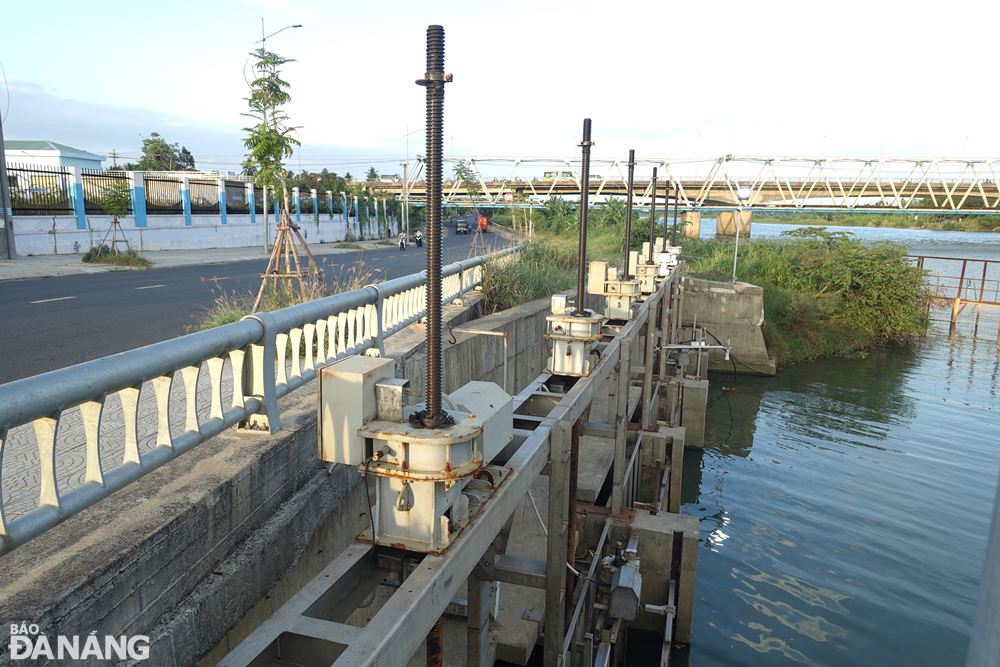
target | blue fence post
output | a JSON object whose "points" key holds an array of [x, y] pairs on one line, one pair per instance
{"points": [[315, 198], [75, 191], [222, 199], [186, 200], [298, 209], [357, 218], [277, 206], [329, 201], [139, 199], [251, 203]]}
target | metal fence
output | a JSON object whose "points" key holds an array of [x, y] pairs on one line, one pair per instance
{"points": [[204, 196], [37, 190], [236, 197], [305, 201], [258, 199], [163, 196], [97, 185], [70, 437]]}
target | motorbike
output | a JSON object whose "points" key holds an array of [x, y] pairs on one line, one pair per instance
{"points": [[420, 241], [402, 243]]}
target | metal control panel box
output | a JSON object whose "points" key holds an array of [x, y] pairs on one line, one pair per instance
{"points": [[346, 403]]}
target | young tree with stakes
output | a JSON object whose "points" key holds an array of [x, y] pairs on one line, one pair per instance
{"points": [[269, 141]]}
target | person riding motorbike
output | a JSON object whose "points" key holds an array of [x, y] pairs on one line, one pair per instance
{"points": [[402, 241], [420, 239]]}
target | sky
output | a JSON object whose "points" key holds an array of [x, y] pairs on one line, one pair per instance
{"points": [[687, 82]]}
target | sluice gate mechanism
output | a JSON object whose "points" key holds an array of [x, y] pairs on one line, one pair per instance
{"points": [[445, 476]]}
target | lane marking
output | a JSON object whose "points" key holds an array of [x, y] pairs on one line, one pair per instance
{"points": [[150, 286], [61, 298]]}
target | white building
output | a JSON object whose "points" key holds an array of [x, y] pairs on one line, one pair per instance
{"points": [[50, 154]]}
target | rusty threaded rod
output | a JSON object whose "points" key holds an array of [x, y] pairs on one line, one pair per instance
{"points": [[435, 644], [581, 274], [628, 210], [434, 81], [652, 221], [677, 196]]}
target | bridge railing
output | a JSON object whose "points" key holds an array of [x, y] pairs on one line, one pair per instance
{"points": [[71, 437]]}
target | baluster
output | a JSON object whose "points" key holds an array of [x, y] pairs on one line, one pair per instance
{"points": [[371, 322], [310, 332], [296, 340], [189, 375], [215, 365], [91, 414], [341, 333], [351, 321], [280, 341], [161, 387], [331, 338], [359, 328], [129, 398], [45, 435], [321, 356], [236, 361]]}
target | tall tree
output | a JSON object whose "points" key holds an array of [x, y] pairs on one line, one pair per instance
{"points": [[372, 174], [158, 155], [269, 141]]}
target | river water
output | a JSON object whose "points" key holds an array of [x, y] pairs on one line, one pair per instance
{"points": [[845, 503]]}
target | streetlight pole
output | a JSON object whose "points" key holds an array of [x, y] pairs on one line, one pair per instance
{"points": [[263, 39], [406, 189], [743, 195]]}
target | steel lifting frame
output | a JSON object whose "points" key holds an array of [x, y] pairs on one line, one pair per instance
{"points": [[312, 621]]}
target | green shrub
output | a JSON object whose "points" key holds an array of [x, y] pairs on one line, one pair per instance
{"points": [[825, 293], [105, 255]]}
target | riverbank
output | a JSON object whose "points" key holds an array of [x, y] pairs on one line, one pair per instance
{"points": [[935, 222], [825, 295]]}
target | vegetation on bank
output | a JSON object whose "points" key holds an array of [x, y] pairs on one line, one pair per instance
{"points": [[105, 255], [825, 294]]}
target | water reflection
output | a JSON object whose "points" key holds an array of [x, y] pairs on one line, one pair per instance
{"points": [[843, 508]]}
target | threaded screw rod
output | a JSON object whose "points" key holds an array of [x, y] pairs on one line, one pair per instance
{"points": [[628, 210], [652, 220], [581, 273], [677, 196], [434, 80]]}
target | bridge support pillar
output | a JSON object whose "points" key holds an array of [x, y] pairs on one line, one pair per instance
{"points": [[725, 224], [691, 224]]}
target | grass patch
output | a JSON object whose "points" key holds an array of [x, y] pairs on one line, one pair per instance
{"points": [[105, 255], [385, 242], [349, 246], [539, 270], [231, 306]]}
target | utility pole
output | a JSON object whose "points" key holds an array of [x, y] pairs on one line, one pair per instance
{"points": [[114, 158], [6, 214]]}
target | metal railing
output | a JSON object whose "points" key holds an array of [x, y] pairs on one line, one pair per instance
{"points": [[975, 281], [223, 377], [97, 184], [38, 190]]}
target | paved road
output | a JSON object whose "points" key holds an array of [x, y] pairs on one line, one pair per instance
{"points": [[50, 323]]}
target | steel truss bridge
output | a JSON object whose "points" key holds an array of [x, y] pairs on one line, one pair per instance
{"points": [[822, 184]]}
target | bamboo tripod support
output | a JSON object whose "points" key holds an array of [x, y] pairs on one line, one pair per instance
{"points": [[113, 231], [284, 246]]}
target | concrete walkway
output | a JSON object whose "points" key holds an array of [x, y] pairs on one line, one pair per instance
{"points": [[45, 266]]}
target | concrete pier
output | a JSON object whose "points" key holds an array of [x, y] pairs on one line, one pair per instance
{"points": [[725, 224]]}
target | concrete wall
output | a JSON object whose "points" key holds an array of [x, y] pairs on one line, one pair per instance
{"points": [[198, 553], [734, 314], [56, 235]]}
